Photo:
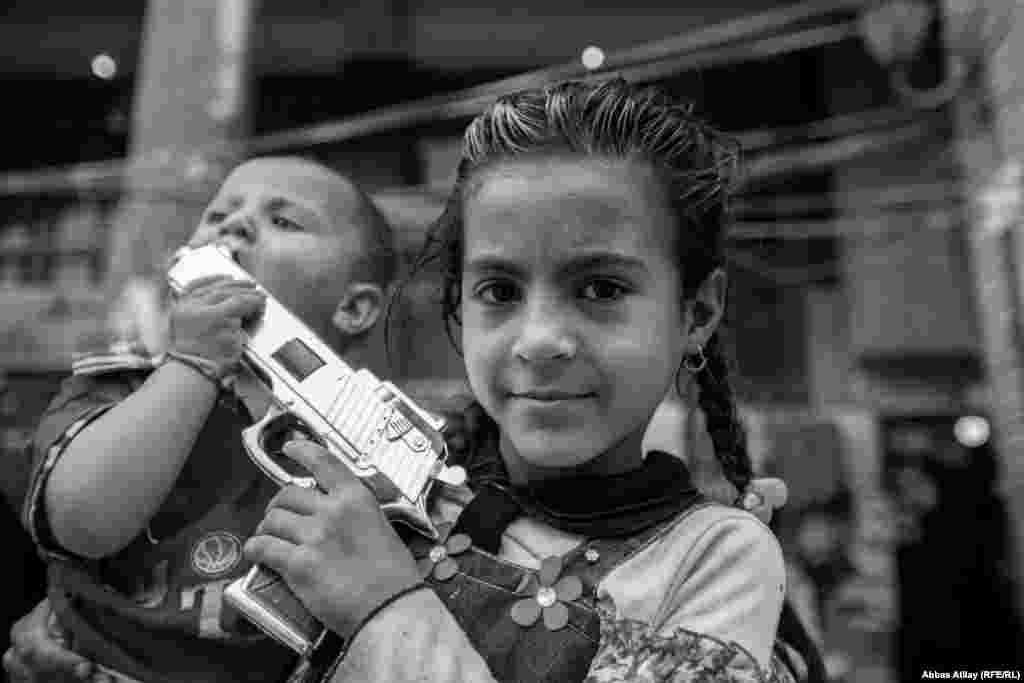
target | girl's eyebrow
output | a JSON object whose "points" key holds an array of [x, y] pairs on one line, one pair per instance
{"points": [[495, 265], [601, 260]]}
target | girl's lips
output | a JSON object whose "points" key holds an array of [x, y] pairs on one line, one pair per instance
{"points": [[550, 396]]}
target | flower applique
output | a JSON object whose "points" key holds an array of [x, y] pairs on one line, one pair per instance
{"points": [[763, 496], [549, 593], [440, 561]]}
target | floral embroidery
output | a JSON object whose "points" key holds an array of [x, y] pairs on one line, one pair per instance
{"points": [[440, 562], [550, 594], [631, 651]]}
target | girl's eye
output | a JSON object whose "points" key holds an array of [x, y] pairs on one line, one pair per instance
{"points": [[285, 223], [497, 292], [215, 216], [603, 290]]}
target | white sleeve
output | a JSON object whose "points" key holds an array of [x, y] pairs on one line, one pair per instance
{"points": [[718, 571]]}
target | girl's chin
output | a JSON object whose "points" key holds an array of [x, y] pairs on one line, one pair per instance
{"points": [[545, 456], [549, 454]]}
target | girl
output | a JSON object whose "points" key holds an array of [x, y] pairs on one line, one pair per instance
{"points": [[582, 259]]}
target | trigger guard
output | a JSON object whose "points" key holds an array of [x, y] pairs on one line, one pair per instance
{"points": [[255, 439]]}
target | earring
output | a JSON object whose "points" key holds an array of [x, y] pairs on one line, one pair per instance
{"points": [[695, 362]]}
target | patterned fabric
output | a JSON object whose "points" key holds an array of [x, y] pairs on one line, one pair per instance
{"points": [[630, 651], [484, 589], [480, 596]]}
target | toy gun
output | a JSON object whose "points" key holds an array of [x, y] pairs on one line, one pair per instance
{"points": [[393, 446]]}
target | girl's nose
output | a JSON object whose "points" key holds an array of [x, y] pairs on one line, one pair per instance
{"points": [[545, 335]]}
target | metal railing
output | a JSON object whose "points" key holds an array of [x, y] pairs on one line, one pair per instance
{"points": [[757, 36]]}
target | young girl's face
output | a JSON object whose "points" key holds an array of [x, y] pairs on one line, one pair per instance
{"points": [[572, 317]]}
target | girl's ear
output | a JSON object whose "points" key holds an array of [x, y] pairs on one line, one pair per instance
{"points": [[708, 307], [359, 309]]}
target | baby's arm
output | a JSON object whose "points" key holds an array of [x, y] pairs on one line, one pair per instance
{"points": [[114, 474]]}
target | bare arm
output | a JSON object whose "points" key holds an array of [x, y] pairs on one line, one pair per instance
{"points": [[416, 639], [114, 475]]}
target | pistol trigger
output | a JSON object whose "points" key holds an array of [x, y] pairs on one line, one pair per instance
{"points": [[270, 429]]}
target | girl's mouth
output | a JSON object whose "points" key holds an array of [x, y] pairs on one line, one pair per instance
{"points": [[551, 396]]}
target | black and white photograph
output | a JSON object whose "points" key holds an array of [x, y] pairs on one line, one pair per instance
{"points": [[430, 341]]}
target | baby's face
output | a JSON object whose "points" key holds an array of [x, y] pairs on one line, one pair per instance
{"points": [[572, 319], [277, 218]]}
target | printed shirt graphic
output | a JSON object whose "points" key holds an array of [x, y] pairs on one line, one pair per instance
{"points": [[155, 611], [216, 553]]}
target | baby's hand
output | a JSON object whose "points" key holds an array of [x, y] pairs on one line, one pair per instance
{"points": [[206, 320]]}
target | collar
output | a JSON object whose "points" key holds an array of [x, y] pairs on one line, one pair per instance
{"points": [[592, 506]]}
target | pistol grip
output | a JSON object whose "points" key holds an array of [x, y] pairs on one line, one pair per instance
{"points": [[266, 600], [256, 436]]}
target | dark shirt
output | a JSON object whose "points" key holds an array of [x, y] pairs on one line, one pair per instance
{"points": [[155, 610]]}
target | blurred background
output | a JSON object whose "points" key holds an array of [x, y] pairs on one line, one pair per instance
{"points": [[876, 245]]}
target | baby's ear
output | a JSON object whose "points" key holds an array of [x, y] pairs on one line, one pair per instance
{"points": [[359, 308]]}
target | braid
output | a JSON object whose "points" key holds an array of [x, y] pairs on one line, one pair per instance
{"points": [[723, 424]]}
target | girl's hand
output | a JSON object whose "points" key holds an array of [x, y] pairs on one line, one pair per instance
{"points": [[334, 547], [206, 320]]}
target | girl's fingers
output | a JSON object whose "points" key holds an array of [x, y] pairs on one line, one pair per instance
{"points": [[283, 524], [297, 499], [269, 551], [330, 473]]}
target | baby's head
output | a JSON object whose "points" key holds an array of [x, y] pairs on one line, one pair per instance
{"points": [[582, 259], [311, 237]]}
